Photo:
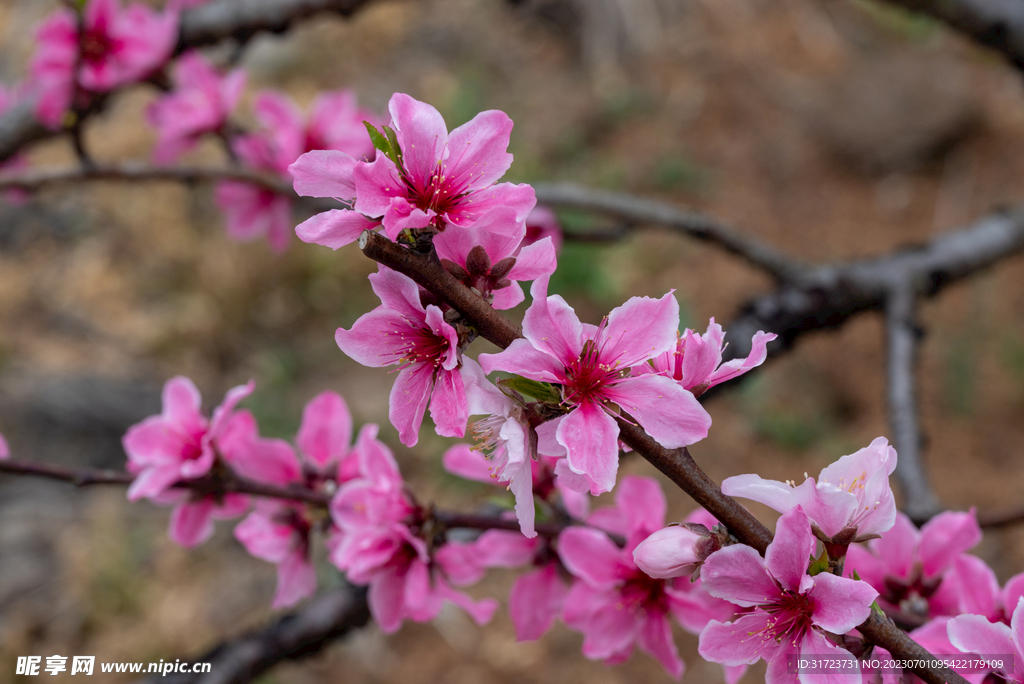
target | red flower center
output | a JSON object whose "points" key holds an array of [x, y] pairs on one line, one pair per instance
{"points": [[96, 45], [587, 375], [790, 616]]}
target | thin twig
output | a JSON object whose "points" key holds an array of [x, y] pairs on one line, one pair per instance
{"points": [[297, 635], [902, 336], [138, 172], [641, 210], [675, 463]]}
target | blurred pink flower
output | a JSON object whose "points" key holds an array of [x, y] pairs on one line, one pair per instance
{"points": [[200, 103], [178, 444], [5, 451], [116, 47], [335, 123], [975, 634]]}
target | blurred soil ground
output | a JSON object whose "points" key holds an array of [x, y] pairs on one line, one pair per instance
{"points": [[832, 129]]}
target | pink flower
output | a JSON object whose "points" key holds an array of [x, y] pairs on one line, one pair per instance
{"points": [[592, 366], [792, 610], [116, 47], [200, 103], [978, 591], [335, 123], [908, 566], [376, 546], [536, 599], [696, 361], [178, 444], [492, 262], [615, 604], [678, 550], [542, 223], [852, 496], [5, 451], [325, 436], [434, 179], [278, 532], [191, 520], [975, 634], [401, 330]]}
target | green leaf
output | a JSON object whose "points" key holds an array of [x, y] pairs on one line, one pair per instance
{"points": [[819, 564], [395, 149], [541, 391], [377, 138]]}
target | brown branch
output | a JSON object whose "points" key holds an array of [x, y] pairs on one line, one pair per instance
{"points": [[138, 172], [677, 464], [205, 485], [998, 24], [696, 225], [297, 635], [902, 336], [203, 25]]}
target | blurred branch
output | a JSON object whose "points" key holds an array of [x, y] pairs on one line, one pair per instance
{"points": [[212, 484], [902, 336], [642, 210], [203, 25], [677, 464], [828, 296], [998, 24], [297, 635], [136, 172]]}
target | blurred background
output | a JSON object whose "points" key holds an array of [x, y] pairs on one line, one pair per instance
{"points": [[831, 129]]}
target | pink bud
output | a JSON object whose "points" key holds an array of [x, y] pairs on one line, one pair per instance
{"points": [[675, 551]]}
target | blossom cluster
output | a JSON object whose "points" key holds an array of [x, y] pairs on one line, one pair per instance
{"points": [[547, 412]]}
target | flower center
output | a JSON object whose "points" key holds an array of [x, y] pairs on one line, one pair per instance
{"points": [[641, 591], [95, 45], [587, 375], [790, 616], [415, 345]]}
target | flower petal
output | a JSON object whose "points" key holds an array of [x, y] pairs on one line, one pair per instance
{"points": [[669, 413], [591, 440], [840, 604], [737, 574]]}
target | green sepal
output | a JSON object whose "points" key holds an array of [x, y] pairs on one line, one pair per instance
{"points": [[819, 564], [541, 391], [385, 142]]}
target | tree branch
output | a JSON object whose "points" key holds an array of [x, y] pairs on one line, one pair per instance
{"points": [[203, 25], [300, 634], [902, 336], [998, 24], [139, 172], [677, 463], [696, 225]]}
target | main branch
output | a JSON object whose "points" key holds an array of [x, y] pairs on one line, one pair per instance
{"points": [[677, 464]]}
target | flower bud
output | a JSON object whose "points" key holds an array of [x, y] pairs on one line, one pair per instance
{"points": [[675, 551]]}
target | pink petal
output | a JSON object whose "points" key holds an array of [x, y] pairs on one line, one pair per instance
{"points": [[324, 173], [976, 585], [668, 552], [772, 493], [377, 183], [265, 460], [814, 643], [387, 599], [191, 523], [477, 154], [655, 638], [701, 354], [326, 429], [264, 538], [334, 228], [534, 261], [408, 401], [535, 601], [501, 549], [840, 604], [466, 462], [483, 396], [737, 574], [479, 204], [422, 135], [739, 642], [639, 330], [551, 325], [522, 358], [590, 437], [296, 580], [5, 451], [944, 537], [897, 546], [789, 553], [669, 413], [975, 634], [399, 293], [448, 406], [591, 556], [182, 404], [375, 338], [736, 367], [643, 501], [508, 297]]}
